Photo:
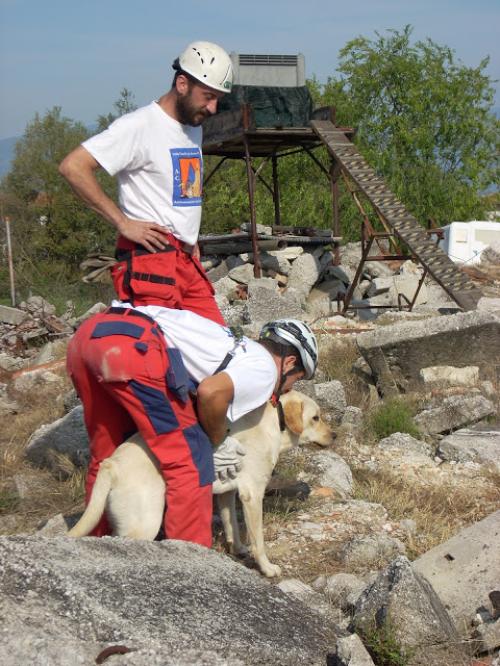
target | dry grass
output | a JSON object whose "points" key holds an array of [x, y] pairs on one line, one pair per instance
{"points": [[29, 495], [337, 356], [439, 510]]}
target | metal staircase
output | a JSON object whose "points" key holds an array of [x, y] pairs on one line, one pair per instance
{"points": [[396, 218]]}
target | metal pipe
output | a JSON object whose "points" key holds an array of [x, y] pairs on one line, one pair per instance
{"points": [[10, 262], [251, 197], [276, 192]]}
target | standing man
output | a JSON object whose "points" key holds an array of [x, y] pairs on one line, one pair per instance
{"points": [[155, 152]]}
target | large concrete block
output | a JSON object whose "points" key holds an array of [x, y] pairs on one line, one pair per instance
{"points": [[464, 570], [397, 353]]}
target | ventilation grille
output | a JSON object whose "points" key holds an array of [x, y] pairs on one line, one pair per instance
{"points": [[275, 60]]}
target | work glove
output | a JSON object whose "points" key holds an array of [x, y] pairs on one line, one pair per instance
{"points": [[227, 459]]}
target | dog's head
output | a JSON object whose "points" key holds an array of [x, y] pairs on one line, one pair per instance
{"points": [[303, 418]]}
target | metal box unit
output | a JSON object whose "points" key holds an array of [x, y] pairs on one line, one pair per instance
{"points": [[286, 71], [463, 242]]}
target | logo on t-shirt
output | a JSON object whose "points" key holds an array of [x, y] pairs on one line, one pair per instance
{"points": [[188, 175]]}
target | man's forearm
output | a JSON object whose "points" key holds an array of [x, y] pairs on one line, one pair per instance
{"points": [[214, 396], [79, 170]]}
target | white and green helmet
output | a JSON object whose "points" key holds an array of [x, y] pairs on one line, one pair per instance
{"points": [[298, 334], [208, 63]]}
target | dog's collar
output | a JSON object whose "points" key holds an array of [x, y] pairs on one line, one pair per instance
{"points": [[276, 402]]}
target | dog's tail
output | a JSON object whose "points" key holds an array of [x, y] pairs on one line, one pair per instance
{"points": [[97, 503]]}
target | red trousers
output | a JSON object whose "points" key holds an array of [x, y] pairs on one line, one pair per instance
{"points": [[129, 381], [171, 277]]}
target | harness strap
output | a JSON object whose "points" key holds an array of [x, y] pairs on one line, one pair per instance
{"points": [[130, 312]]}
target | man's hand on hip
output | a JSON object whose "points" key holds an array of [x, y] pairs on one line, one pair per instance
{"points": [[227, 459], [150, 235]]}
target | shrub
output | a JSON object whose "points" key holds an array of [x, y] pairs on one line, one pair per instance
{"points": [[392, 416]]}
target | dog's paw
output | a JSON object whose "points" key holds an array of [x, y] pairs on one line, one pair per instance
{"points": [[270, 570]]}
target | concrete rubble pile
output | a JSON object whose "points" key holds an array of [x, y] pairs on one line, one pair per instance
{"points": [[443, 603]]}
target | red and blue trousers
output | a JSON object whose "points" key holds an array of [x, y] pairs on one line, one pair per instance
{"points": [[172, 277], [129, 381]]}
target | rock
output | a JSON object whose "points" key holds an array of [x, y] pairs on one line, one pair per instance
{"points": [[260, 228], [29, 380], [50, 352], [480, 445], [56, 526], [242, 274], [11, 315], [276, 260], [447, 375], [350, 651], [487, 304], [342, 590], [464, 570], [334, 472], [353, 417], [397, 353], [70, 400], [7, 404], [10, 363], [174, 602], [400, 441], [67, 437], [403, 603], [331, 396], [342, 274], [98, 307], [38, 306], [266, 304], [304, 273], [453, 412], [371, 552], [318, 303], [226, 288], [491, 254], [487, 636], [222, 269], [305, 593]]}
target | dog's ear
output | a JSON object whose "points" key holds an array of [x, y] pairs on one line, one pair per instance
{"points": [[293, 415]]}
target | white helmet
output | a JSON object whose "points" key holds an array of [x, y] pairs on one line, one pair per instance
{"points": [[207, 63], [298, 334]]}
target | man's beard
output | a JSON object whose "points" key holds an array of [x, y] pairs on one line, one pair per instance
{"points": [[187, 113]]}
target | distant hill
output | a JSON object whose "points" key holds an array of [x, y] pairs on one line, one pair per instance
{"points": [[7, 153]]}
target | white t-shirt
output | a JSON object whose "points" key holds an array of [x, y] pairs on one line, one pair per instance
{"points": [[204, 344], [158, 164]]}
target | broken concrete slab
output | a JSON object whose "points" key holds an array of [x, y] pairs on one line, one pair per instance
{"points": [[397, 353], [480, 445], [12, 316], [464, 569], [454, 412]]}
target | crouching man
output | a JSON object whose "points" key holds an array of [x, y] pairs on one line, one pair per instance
{"points": [[136, 369]]}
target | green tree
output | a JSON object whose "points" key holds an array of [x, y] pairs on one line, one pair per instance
{"points": [[424, 121], [124, 104]]}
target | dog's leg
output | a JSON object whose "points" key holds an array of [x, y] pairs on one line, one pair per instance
{"points": [[97, 503], [252, 509], [227, 509]]}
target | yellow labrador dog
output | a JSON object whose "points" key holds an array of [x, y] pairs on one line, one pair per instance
{"points": [[130, 488]]}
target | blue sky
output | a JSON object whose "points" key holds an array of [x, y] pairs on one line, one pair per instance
{"points": [[79, 55]]}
